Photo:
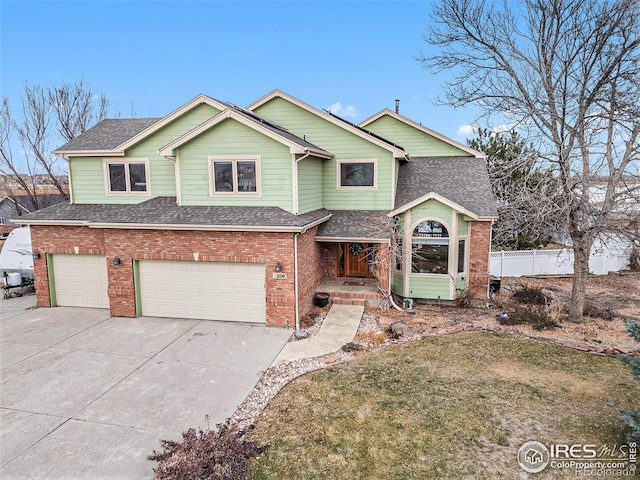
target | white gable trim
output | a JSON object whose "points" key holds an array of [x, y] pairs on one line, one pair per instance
{"points": [[422, 128], [397, 152], [199, 100], [439, 198], [294, 148]]}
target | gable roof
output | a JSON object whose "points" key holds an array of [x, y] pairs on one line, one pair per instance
{"points": [[422, 128], [398, 151], [460, 182], [106, 135], [115, 136], [251, 120]]}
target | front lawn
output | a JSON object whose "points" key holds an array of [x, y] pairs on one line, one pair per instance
{"points": [[446, 407]]}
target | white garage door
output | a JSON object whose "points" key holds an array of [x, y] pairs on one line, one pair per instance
{"points": [[80, 280], [203, 290]]}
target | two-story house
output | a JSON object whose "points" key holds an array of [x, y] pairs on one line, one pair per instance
{"points": [[220, 212]]}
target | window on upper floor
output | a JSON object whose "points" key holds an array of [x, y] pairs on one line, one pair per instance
{"points": [[357, 173], [129, 176], [234, 175]]}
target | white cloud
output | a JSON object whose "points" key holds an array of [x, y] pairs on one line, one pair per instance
{"points": [[467, 130], [348, 111]]}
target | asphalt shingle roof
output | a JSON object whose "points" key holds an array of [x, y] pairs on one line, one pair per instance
{"points": [[108, 134], [165, 211], [372, 224], [463, 180], [283, 132]]}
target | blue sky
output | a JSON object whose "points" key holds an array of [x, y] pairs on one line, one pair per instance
{"points": [[159, 55]]}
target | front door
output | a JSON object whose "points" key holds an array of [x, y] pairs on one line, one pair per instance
{"points": [[356, 259]]}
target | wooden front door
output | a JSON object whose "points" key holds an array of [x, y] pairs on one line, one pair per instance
{"points": [[356, 260]]}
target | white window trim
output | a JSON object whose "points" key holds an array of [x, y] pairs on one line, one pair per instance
{"points": [[126, 162], [451, 241], [467, 250], [357, 160], [234, 159]]}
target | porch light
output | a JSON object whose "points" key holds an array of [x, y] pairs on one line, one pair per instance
{"points": [[36, 255], [278, 267], [116, 260]]}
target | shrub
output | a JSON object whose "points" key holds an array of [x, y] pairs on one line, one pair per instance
{"points": [[530, 296], [463, 300], [372, 338], [631, 417], [310, 319], [590, 310], [537, 317], [220, 454]]}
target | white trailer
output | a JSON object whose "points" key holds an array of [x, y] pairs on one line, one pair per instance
{"points": [[16, 261]]}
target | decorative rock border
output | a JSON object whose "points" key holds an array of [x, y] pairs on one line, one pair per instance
{"points": [[600, 350]]}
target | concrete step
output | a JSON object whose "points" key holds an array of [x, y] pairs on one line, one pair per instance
{"points": [[347, 301]]}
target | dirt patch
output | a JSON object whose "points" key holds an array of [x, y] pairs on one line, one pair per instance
{"points": [[612, 300]]}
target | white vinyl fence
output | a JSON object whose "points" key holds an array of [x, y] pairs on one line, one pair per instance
{"points": [[610, 256]]}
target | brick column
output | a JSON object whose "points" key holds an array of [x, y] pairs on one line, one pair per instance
{"points": [[480, 248]]}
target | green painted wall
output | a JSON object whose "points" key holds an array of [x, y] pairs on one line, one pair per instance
{"points": [[429, 287], [233, 138], [397, 283], [463, 225], [414, 141], [87, 173], [461, 284], [434, 210], [344, 145], [310, 195]]}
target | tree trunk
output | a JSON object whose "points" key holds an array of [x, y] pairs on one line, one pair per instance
{"points": [[580, 275]]}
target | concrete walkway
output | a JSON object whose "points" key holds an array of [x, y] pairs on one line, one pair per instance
{"points": [[338, 329]]}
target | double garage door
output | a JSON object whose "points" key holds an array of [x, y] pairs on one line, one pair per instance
{"points": [[203, 290], [200, 290]]}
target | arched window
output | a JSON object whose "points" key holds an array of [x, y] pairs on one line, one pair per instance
{"points": [[430, 252]]}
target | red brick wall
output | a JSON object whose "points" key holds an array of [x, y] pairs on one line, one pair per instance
{"points": [[480, 247], [310, 269], [250, 247]]}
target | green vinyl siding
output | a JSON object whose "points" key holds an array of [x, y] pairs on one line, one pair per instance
{"points": [[310, 185], [430, 287], [230, 137], [397, 284], [344, 145], [461, 284], [432, 209], [88, 177], [414, 141], [463, 225]]}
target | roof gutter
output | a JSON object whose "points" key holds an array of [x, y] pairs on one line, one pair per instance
{"points": [[175, 226]]}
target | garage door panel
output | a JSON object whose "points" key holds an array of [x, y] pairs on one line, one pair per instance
{"points": [[203, 290], [80, 280]]}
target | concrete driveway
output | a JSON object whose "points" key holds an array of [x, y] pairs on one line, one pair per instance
{"points": [[85, 395]]}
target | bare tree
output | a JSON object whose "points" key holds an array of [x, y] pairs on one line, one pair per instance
{"points": [[57, 114], [568, 73], [76, 108]]}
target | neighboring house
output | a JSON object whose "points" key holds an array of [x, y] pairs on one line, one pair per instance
{"points": [[220, 212], [10, 208]]}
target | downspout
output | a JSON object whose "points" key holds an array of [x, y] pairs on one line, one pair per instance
{"points": [[176, 174], [390, 297], [296, 198], [295, 243], [295, 274]]}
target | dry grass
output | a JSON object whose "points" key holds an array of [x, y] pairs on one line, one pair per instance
{"points": [[447, 407]]}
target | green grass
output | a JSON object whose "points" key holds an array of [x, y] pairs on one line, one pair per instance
{"points": [[450, 407]]}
